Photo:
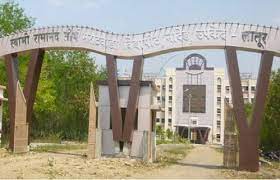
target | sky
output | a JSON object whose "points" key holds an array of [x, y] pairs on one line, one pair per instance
{"points": [[134, 16]]}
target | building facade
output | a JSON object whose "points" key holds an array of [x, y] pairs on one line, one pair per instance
{"points": [[193, 96]]}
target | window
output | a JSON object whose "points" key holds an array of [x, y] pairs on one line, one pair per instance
{"points": [[219, 80], [170, 109], [219, 111], [163, 87], [218, 137], [227, 100], [170, 79], [163, 120], [194, 122], [245, 88], [170, 88], [197, 100], [219, 88], [218, 100], [169, 120], [253, 88], [227, 89], [218, 124], [252, 100], [170, 98], [158, 98], [158, 120]]}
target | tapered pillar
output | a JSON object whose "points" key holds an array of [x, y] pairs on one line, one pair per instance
{"points": [[133, 98], [92, 125], [115, 109], [21, 126], [248, 133]]}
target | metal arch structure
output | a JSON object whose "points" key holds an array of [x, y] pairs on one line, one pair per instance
{"points": [[228, 36]]}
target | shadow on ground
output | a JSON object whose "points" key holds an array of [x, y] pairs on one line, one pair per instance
{"points": [[200, 165]]}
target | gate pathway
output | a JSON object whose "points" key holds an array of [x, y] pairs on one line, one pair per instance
{"points": [[201, 162]]}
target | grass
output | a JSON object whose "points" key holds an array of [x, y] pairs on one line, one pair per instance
{"points": [[59, 147], [173, 154]]}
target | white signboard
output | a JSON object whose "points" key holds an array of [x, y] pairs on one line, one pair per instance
{"points": [[191, 36]]}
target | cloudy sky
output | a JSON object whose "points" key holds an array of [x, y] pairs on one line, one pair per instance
{"points": [[131, 16]]}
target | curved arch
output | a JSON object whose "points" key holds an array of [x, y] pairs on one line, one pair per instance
{"points": [[246, 37]]}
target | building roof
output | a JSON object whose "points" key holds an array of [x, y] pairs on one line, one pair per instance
{"points": [[127, 83]]}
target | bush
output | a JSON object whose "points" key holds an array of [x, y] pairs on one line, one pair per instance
{"points": [[169, 137]]}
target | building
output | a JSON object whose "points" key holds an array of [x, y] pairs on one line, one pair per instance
{"points": [[193, 99], [248, 83], [144, 120]]}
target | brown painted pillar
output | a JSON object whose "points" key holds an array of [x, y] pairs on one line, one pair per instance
{"points": [[12, 72], [133, 98], [31, 82], [115, 109], [248, 135]]}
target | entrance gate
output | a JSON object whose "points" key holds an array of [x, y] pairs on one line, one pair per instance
{"points": [[228, 36]]}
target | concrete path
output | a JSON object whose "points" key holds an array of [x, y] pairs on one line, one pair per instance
{"points": [[201, 162]]}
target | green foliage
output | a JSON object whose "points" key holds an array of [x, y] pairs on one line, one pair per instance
{"points": [[270, 132], [62, 99], [169, 137], [59, 147], [249, 111], [160, 132], [169, 133], [13, 18]]}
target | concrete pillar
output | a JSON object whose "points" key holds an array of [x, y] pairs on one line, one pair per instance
{"points": [[21, 127], [94, 136]]}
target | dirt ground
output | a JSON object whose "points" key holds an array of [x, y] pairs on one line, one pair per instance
{"points": [[67, 165], [202, 161]]}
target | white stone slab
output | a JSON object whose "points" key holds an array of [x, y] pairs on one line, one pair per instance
{"points": [[107, 142], [137, 144]]}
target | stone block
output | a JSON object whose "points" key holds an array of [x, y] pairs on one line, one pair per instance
{"points": [[108, 147], [137, 144]]}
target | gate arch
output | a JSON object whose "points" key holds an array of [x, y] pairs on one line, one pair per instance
{"points": [[228, 36], [246, 37]]}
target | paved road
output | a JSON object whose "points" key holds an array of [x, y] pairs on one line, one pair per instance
{"points": [[201, 162]]}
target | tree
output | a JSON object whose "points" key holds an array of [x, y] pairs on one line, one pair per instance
{"points": [[62, 100], [270, 132], [13, 18]]}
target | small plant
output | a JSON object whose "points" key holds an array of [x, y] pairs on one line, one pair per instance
{"points": [[169, 134], [169, 137]]}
